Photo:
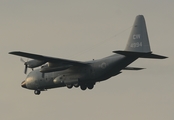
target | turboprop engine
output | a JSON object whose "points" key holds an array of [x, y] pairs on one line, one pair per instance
{"points": [[32, 64]]}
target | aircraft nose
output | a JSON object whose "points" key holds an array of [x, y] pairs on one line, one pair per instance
{"points": [[23, 84]]}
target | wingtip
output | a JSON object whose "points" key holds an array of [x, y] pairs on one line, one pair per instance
{"points": [[12, 52]]}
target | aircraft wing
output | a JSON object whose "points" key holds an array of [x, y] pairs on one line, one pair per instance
{"points": [[48, 59]]}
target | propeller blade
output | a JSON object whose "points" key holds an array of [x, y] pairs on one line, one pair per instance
{"points": [[22, 60], [26, 66], [25, 70]]}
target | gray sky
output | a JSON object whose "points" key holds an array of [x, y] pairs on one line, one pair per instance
{"points": [[83, 30]]}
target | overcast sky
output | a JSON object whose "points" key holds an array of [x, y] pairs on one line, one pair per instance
{"points": [[83, 30]]}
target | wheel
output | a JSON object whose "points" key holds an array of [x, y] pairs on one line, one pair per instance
{"points": [[83, 87], [69, 86], [90, 86], [37, 92], [76, 85]]}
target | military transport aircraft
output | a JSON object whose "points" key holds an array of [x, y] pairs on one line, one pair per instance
{"points": [[57, 72]]}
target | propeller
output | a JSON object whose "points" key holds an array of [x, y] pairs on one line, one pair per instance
{"points": [[32, 64], [26, 65], [25, 70]]}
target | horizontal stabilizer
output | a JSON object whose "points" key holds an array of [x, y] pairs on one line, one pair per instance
{"points": [[133, 68], [140, 54]]}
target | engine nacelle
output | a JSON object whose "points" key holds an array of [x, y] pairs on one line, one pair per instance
{"points": [[34, 63]]}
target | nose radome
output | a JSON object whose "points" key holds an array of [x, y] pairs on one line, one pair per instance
{"points": [[30, 83], [23, 84]]}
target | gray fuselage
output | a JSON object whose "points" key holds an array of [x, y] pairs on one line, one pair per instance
{"points": [[95, 71]]}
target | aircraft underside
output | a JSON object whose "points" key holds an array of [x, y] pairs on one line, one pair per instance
{"points": [[83, 86]]}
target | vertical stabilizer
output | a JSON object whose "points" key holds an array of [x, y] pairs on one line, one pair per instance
{"points": [[138, 43], [138, 39]]}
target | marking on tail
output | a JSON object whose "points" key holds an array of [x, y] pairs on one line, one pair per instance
{"points": [[136, 44], [136, 36]]}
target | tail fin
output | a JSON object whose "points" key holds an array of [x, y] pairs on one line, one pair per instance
{"points": [[138, 39], [138, 44]]}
